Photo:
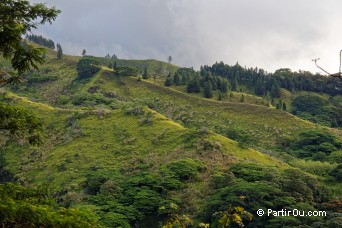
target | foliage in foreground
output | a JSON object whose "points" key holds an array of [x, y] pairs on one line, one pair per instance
{"points": [[19, 123], [25, 207]]}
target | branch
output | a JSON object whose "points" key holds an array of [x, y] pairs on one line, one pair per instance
{"points": [[315, 60], [336, 75], [6, 78]]}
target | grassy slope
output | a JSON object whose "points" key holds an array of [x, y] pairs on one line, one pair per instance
{"points": [[117, 141], [266, 125]]}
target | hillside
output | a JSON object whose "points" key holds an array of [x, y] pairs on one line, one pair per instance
{"points": [[123, 147]]}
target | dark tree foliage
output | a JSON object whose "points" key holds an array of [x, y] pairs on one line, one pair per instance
{"points": [[263, 81], [168, 81], [208, 90], [18, 123], [16, 19], [24, 207], [284, 106], [234, 84], [176, 79], [87, 66], [145, 75], [41, 40], [126, 71], [315, 108], [254, 186], [242, 99], [224, 86], [59, 51], [134, 196], [5, 174], [193, 86], [337, 172], [314, 145]]}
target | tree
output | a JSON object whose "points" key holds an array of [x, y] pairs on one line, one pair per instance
{"points": [[233, 215], [41, 40], [16, 19], [224, 86], [208, 90], [242, 99], [338, 75], [145, 75], [84, 52], [234, 84], [176, 79], [17, 123], [170, 59], [87, 66], [168, 81], [193, 86], [28, 207], [284, 106], [59, 51]]}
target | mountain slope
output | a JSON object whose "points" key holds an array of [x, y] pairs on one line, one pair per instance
{"points": [[124, 147]]}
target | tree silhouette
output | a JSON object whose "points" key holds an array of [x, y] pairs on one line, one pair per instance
{"points": [[338, 75]]}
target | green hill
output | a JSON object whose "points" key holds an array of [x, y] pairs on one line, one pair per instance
{"points": [[125, 147]]}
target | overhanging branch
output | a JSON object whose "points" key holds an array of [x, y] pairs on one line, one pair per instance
{"points": [[337, 75]]}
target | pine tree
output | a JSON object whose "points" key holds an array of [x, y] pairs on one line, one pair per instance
{"points": [[208, 90], [242, 99], [190, 87], [59, 51], [284, 106], [234, 84], [280, 104], [184, 80], [176, 79], [114, 66], [224, 86], [84, 52], [168, 81], [145, 75], [197, 87], [275, 90]]}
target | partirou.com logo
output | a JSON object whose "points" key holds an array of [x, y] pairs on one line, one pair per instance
{"points": [[290, 212]]}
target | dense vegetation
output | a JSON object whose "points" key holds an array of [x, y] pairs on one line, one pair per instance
{"points": [[41, 40], [224, 78], [108, 167], [140, 154]]}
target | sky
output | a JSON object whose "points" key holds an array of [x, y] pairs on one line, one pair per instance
{"points": [[268, 34]]}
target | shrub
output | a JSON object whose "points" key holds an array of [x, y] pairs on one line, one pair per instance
{"points": [[337, 173], [87, 66], [136, 111], [62, 100], [242, 137], [186, 168], [222, 179]]}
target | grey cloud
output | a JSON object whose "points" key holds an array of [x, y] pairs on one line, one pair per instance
{"points": [[263, 33]]}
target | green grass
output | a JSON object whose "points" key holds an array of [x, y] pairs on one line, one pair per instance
{"points": [[118, 141], [164, 125], [265, 124]]}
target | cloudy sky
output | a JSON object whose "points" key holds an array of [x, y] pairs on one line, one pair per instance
{"points": [[269, 34]]}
